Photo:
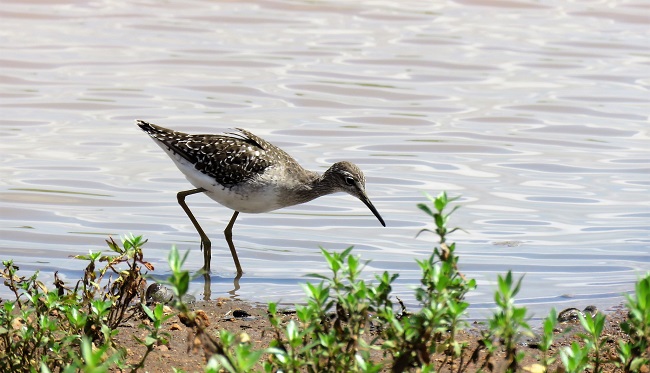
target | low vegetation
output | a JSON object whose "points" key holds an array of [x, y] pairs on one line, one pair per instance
{"points": [[347, 324]]}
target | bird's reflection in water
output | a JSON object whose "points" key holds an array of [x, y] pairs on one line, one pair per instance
{"points": [[207, 286]]}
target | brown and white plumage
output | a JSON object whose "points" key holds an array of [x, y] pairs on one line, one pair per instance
{"points": [[248, 174]]}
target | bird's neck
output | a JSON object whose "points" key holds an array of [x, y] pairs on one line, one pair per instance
{"points": [[314, 186]]}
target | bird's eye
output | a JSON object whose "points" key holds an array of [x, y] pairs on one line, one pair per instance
{"points": [[349, 181]]}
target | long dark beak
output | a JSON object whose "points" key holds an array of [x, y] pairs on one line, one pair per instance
{"points": [[364, 198]]}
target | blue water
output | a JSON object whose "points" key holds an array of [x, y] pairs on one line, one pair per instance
{"points": [[535, 113]]}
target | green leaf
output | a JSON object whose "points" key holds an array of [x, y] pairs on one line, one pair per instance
{"points": [[425, 208], [440, 201], [317, 275], [424, 230]]}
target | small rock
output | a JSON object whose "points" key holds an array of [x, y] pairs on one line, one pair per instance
{"points": [[243, 315], [535, 368], [17, 323], [157, 293], [203, 317], [221, 301], [188, 298], [571, 315], [240, 313], [175, 326], [197, 343]]}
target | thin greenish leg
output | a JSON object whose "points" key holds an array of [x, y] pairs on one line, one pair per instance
{"points": [[228, 233], [206, 245]]}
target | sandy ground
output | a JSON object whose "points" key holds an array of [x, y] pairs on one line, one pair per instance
{"points": [[178, 353]]}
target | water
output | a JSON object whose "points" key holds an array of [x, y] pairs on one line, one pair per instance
{"points": [[535, 112]]}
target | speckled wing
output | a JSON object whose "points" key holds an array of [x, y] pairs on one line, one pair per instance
{"points": [[229, 158]]}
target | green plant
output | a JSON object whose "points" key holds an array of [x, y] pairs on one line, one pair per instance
{"points": [[221, 353], [90, 360], [156, 336], [344, 320], [575, 358], [441, 295], [44, 329], [34, 324], [509, 323], [238, 355], [123, 285], [634, 354], [331, 330], [594, 325], [329, 335], [68, 329], [546, 339], [439, 215]]}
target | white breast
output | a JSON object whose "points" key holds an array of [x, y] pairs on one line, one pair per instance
{"points": [[255, 196]]}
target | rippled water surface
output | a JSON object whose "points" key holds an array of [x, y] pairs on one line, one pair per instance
{"points": [[535, 112]]}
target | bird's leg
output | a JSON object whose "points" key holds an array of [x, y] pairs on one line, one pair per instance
{"points": [[207, 286], [206, 245], [228, 233], [235, 284]]}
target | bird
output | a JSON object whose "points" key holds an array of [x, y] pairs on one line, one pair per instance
{"points": [[248, 174]]}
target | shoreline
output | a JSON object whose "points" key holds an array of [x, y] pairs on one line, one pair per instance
{"points": [[249, 321]]}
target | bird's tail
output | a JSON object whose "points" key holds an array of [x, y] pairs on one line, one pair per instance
{"points": [[148, 127]]}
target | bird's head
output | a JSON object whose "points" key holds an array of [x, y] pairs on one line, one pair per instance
{"points": [[347, 177]]}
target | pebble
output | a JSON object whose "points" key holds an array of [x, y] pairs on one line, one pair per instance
{"points": [[572, 314]]}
